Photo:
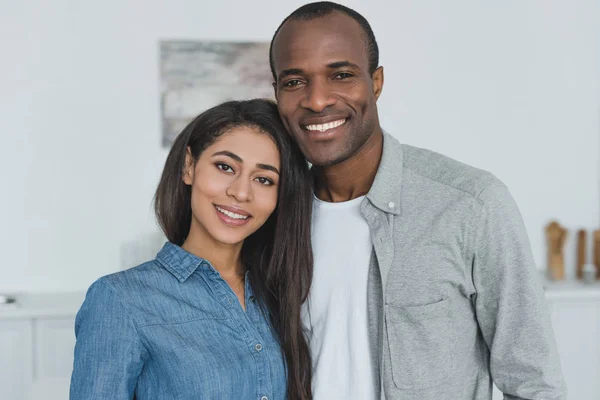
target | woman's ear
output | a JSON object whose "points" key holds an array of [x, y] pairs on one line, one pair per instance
{"points": [[188, 169]]}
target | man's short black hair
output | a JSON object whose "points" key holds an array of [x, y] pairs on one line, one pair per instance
{"points": [[322, 8]]}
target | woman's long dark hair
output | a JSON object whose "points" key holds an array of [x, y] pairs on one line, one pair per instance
{"points": [[278, 255]]}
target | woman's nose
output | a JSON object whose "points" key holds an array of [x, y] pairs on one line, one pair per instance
{"points": [[240, 189]]}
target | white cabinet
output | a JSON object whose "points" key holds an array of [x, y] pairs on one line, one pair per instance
{"points": [[575, 312], [36, 347], [54, 342], [15, 358], [37, 341], [576, 322]]}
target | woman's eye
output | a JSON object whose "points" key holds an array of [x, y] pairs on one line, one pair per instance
{"points": [[264, 181], [224, 167]]}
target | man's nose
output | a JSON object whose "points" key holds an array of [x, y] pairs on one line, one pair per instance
{"points": [[318, 97]]}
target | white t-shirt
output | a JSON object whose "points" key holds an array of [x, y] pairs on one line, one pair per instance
{"points": [[336, 311]]}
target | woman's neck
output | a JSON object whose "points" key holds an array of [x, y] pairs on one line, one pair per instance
{"points": [[225, 258]]}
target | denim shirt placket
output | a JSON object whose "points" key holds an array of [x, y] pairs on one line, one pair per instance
{"points": [[251, 336]]}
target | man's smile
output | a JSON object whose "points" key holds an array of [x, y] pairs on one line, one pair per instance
{"points": [[325, 126]]}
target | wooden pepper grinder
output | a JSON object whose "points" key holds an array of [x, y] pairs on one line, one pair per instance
{"points": [[556, 236], [596, 259], [581, 250]]}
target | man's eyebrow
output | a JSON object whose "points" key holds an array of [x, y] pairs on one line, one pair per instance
{"points": [[342, 64], [229, 154], [268, 168], [333, 65], [290, 71], [237, 158]]}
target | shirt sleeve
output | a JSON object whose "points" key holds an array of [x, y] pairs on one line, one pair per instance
{"points": [[511, 308], [108, 352]]}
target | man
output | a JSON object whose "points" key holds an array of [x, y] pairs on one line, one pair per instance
{"points": [[424, 283]]}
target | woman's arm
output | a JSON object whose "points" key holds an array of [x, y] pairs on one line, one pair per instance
{"points": [[108, 353]]}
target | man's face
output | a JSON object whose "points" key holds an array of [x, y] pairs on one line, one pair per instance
{"points": [[325, 93]]}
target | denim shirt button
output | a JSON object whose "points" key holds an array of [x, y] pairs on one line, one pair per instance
{"points": [[264, 398], [258, 347], [251, 298]]}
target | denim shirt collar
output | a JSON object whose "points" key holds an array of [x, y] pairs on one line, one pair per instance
{"points": [[179, 262], [182, 264], [387, 186]]}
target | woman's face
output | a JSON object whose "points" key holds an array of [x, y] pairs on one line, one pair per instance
{"points": [[233, 185]]}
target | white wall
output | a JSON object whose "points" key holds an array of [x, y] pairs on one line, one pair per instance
{"points": [[511, 87]]}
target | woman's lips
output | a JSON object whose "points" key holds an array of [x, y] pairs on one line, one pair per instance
{"points": [[231, 219]]}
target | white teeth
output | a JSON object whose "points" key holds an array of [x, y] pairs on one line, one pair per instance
{"points": [[325, 127], [231, 214]]}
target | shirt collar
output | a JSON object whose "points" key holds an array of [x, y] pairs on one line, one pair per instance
{"points": [[387, 186], [179, 262]]}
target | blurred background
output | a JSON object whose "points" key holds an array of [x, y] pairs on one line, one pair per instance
{"points": [[511, 87]]}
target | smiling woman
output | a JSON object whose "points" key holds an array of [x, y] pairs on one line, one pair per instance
{"points": [[217, 313], [233, 188]]}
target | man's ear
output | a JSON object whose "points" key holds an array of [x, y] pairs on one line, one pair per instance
{"points": [[377, 82], [188, 169]]}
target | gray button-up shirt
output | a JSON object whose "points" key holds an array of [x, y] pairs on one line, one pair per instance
{"points": [[454, 296]]}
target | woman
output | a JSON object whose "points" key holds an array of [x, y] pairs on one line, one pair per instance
{"points": [[217, 314]]}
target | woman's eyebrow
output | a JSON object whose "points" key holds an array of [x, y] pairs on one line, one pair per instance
{"points": [[237, 158], [268, 167], [229, 154]]}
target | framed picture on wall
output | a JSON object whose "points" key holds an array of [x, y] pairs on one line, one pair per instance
{"points": [[196, 75]]}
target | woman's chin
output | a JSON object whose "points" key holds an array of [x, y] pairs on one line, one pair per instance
{"points": [[230, 238]]}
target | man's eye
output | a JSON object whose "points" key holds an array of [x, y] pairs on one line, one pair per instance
{"points": [[264, 181], [224, 167], [343, 75], [292, 83]]}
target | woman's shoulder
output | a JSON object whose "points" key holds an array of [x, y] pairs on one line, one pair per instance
{"points": [[131, 279], [155, 291], [125, 291]]}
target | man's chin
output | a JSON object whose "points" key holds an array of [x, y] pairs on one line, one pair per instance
{"points": [[324, 161]]}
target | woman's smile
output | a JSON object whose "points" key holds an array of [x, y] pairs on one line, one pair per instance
{"points": [[232, 218]]}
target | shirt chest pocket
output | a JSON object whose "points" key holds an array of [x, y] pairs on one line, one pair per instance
{"points": [[420, 344]]}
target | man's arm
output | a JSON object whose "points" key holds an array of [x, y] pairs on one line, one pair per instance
{"points": [[510, 304]]}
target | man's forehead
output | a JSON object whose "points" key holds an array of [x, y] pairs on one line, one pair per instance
{"points": [[330, 37]]}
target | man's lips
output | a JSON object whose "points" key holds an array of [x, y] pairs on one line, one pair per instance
{"points": [[323, 126]]}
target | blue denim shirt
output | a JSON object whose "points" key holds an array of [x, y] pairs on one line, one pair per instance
{"points": [[172, 328]]}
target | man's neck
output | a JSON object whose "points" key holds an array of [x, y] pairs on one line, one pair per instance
{"points": [[353, 177]]}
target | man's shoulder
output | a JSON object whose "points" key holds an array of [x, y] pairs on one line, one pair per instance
{"points": [[447, 171]]}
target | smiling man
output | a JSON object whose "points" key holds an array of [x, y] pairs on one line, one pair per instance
{"points": [[424, 283]]}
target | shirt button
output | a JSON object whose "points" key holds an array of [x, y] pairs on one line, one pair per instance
{"points": [[391, 204], [251, 298], [264, 398], [258, 347]]}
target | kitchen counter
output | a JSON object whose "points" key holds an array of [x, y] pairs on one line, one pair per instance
{"points": [[32, 305]]}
